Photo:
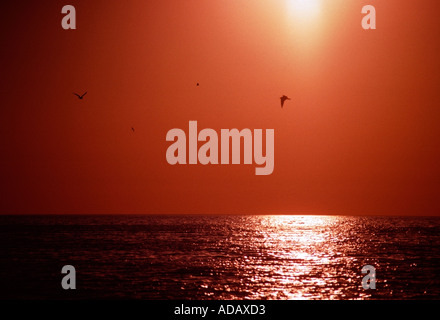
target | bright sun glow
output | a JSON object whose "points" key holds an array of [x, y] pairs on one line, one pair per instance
{"points": [[304, 10]]}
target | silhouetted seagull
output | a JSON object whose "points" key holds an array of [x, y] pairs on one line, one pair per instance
{"points": [[284, 98], [80, 97]]}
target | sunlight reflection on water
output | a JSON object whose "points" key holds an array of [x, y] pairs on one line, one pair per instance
{"points": [[299, 246], [225, 257]]}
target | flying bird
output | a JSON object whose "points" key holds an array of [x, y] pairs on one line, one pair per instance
{"points": [[197, 84], [283, 99], [80, 97], [132, 129]]}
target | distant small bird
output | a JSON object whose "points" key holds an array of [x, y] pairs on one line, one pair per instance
{"points": [[197, 84], [284, 98], [132, 129], [80, 97]]}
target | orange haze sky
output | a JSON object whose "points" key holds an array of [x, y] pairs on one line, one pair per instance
{"points": [[361, 134]]}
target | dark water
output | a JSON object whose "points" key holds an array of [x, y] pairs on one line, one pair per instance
{"points": [[219, 257]]}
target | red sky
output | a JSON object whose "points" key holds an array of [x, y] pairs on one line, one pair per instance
{"points": [[360, 136]]}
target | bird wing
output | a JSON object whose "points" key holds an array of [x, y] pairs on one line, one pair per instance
{"points": [[76, 94], [84, 94]]}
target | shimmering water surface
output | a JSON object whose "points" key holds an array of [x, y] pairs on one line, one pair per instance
{"points": [[219, 257]]}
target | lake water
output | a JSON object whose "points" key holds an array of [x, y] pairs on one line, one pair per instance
{"points": [[219, 257]]}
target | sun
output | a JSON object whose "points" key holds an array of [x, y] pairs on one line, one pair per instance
{"points": [[304, 10]]}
